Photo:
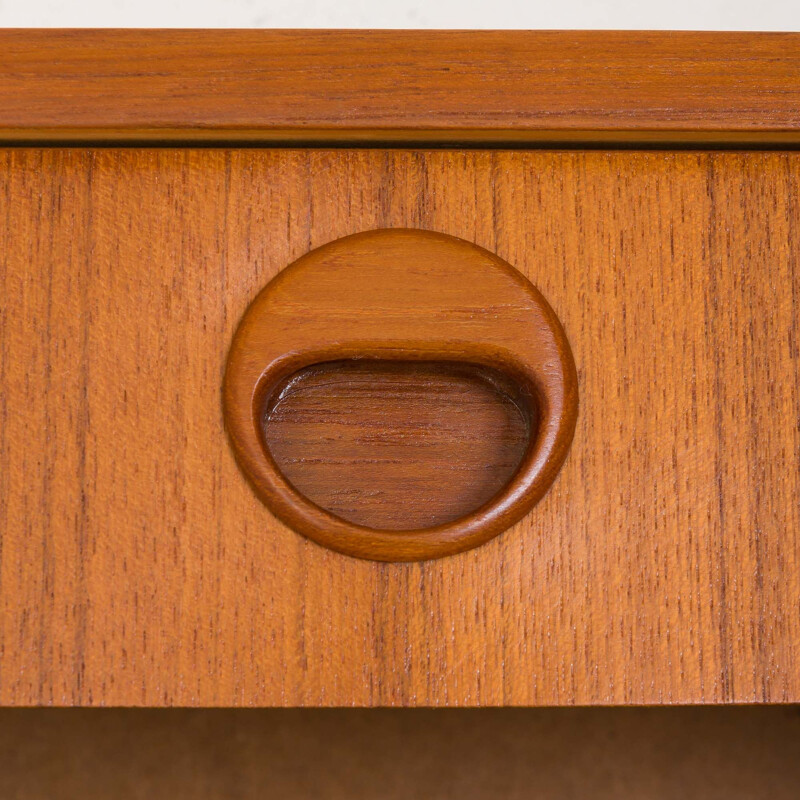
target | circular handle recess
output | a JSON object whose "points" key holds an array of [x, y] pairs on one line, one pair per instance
{"points": [[403, 295]]}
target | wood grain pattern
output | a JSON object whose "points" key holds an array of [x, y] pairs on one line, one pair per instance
{"points": [[412, 296], [137, 567], [401, 86], [395, 445]]}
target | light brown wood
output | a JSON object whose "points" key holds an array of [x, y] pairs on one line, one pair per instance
{"points": [[350, 754], [405, 296], [399, 86], [138, 567]]}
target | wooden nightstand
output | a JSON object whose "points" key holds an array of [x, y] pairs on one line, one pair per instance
{"points": [[548, 396]]}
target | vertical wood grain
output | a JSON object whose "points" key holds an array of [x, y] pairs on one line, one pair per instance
{"points": [[138, 568]]}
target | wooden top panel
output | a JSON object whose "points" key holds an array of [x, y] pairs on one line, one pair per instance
{"points": [[313, 86]]}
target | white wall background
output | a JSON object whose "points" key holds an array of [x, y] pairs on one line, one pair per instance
{"points": [[758, 15]]}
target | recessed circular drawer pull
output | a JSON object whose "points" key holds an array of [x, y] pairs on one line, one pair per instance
{"points": [[400, 395]]}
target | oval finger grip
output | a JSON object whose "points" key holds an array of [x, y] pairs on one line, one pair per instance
{"points": [[431, 313]]}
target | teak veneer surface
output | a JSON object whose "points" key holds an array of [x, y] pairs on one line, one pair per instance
{"points": [[398, 445], [137, 567], [371, 86]]}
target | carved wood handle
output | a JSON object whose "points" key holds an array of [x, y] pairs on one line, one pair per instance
{"points": [[413, 296]]}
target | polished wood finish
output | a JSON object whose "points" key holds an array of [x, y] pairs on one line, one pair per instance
{"points": [[399, 86], [138, 567], [402, 295], [362, 754], [395, 445]]}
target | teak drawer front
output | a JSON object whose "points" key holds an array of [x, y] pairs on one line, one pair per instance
{"points": [[137, 566]]}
